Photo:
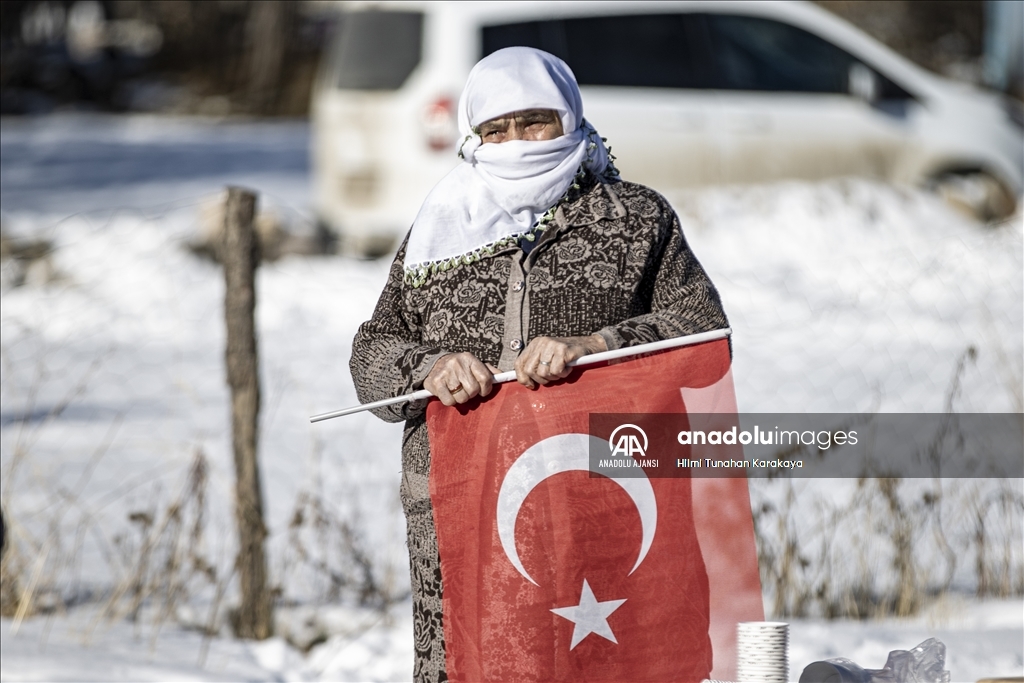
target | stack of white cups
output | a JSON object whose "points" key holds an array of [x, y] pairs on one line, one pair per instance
{"points": [[762, 652]]}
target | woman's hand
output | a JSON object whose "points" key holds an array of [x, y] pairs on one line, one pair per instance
{"points": [[458, 377], [547, 358]]}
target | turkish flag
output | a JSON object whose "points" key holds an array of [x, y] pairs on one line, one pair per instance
{"points": [[552, 573]]}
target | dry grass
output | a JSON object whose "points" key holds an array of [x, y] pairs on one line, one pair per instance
{"points": [[893, 545], [887, 549]]}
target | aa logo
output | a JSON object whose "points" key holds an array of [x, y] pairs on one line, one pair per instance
{"points": [[628, 440]]}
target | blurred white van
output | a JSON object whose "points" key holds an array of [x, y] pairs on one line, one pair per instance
{"points": [[687, 93]]}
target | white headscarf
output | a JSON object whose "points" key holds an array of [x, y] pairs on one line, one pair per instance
{"points": [[501, 191]]}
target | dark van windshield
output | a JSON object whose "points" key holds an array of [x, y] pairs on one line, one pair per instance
{"points": [[688, 50], [376, 50]]}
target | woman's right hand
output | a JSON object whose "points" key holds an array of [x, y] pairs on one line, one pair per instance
{"points": [[458, 377]]}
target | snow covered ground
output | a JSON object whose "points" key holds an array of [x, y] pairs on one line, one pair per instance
{"points": [[371, 648], [844, 296], [982, 640]]}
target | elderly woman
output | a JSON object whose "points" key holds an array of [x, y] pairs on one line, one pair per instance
{"points": [[528, 255]]}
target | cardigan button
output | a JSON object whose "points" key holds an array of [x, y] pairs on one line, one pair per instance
{"points": [[517, 286], [515, 344]]}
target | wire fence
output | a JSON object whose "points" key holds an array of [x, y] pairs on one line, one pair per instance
{"points": [[116, 462]]}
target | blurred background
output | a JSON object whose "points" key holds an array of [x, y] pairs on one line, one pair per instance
{"points": [[259, 58], [849, 173]]}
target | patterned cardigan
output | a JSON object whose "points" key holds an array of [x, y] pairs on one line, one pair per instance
{"points": [[614, 262]]}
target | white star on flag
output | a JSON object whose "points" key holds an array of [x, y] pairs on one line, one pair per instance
{"points": [[590, 616]]}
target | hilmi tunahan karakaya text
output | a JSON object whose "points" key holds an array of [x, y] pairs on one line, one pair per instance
{"points": [[755, 463]]}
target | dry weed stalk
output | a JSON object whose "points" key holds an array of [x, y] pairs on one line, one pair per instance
{"points": [[930, 525], [995, 562], [17, 591], [168, 555], [339, 556], [53, 564]]}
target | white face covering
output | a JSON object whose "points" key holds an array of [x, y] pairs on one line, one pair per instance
{"points": [[502, 190]]}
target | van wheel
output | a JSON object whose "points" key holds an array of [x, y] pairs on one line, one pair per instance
{"points": [[367, 247], [976, 194], [325, 238]]}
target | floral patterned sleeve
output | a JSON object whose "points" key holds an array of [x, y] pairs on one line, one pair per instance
{"points": [[682, 299], [387, 356]]}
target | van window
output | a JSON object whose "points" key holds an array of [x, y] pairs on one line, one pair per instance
{"points": [[544, 35], [376, 50], [645, 50], [642, 50], [689, 50], [753, 53]]}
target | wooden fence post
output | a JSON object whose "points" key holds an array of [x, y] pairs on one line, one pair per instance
{"points": [[240, 257]]}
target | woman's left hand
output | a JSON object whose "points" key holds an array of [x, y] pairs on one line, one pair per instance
{"points": [[547, 359]]}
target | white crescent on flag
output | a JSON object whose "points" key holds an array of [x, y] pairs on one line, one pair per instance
{"points": [[551, 456]]}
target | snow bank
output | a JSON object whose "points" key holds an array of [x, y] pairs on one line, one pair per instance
{"points": [[845, 296]]}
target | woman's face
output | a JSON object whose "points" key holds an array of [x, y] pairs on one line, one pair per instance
{"points": [[529, 124]]}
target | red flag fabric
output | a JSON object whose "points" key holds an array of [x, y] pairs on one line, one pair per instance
{"points": [[551, 573]]}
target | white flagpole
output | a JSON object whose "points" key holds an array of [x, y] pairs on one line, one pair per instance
{"points": [[509, 376]]}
